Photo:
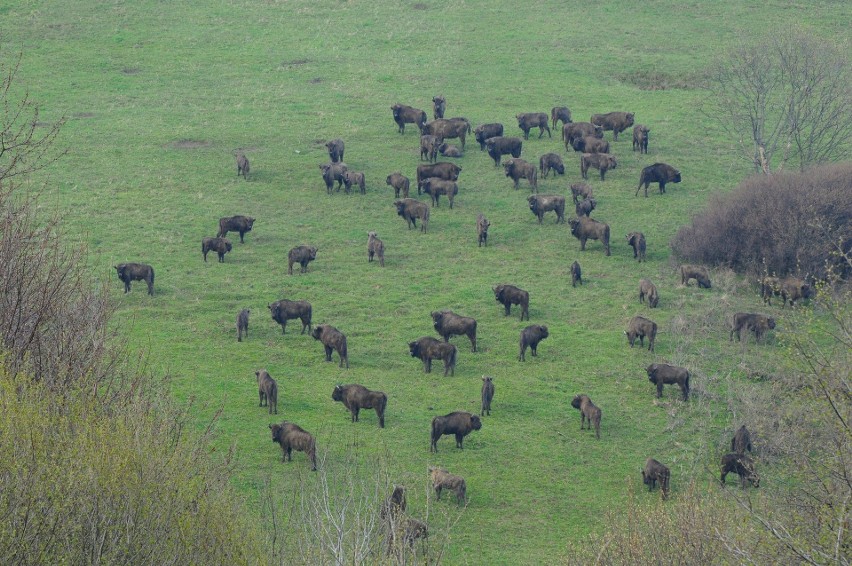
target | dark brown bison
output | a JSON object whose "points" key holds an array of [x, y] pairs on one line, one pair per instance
{"points": [[741, 441], [459, 423], [517, 169], [219, 245], [447, 129], [585, 207], [463, 120], [603, 162], [576, 274], [267, 389], [448, 150], [448, 323], [293, 437], [435, 187], [530, 120], [335, 147], [428, 349], [615, 121], [550, 161], [649, 290], [128, 272], [509, 295], [697, 272], [531, 336], [741, 465], [242, 324], [636, 240], [403, 115], [794, 289], [770, 286], [354, 178], [429, 147], [443, 170], [585, 228], [241, 224], [558, 113], [302, 255], [581, 190], [539, 204], [487, 395], [399, 182], [590, 144], [482, 229], [639, 327], [356, 397], [588, 412], [242, 166], [332, 172], [394, 506], [655, 472], [575, 130], [485, 131], [439, 104], [411, 209], [665, 374], [640, 138], [442, 479], [499, 146], [285, 310], [757, 323], [332, 339], [375, 247], [661, 173]]}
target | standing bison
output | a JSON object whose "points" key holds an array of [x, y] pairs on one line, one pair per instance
{"points": [[558, 113], [539, 204], [499, 146], [241, 224], [517, 169], [509, 295], [487, 395], [267, 389], [285, 310], [575, 130], [128, 272], [448, 323], [375, 247], [442, 479], [293, 437], [332, 339], [531, 336], [660, 173], [482, 225], [585, 228], [411, 209], [530, 120], [615, 121], [458, 423], [429, 147], [649, 290], [219, 245], [550, 161], [665, 374], [794, 289], [636, 240], [655, 472], [603, 162], [585, 207], [639, 327], [443, 170], [448, 150], [697, 272], [403, 115], [447, 129], [302, 255], [242, 324], [354, 178], [757, 323], [335, 147], [581, 190], [576, 274], [741, 441], [640, 138], [590, 144], [428, 349], [243, 166], [485, 131], [332, 172], [589, 412], [435, 187], [439, 104], [399, 182], [741, 465], [356, 397]]}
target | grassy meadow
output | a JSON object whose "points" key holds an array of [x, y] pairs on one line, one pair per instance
{"points": [[158, 97]]}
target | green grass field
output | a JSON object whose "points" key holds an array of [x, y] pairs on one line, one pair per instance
{"points": [[159, 95]]}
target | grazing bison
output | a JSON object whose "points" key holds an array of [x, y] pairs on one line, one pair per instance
{"points": [[794, 289], [636, 240], [531, 336], [375, 247], [448, 323], [332, 339], [661, 173], [439, 104], [539, 204], [428, 349], [293, 437], [443, 170], [485, 131], [482, 229], [302, 255], [267, 389], [435, 187], [615, 121], [356, 397], [429, 147], [770, 286], [335, 147], [640, 138], [499, 146], [242, 166], [576, 274], [517, 169], [665, 374], [332, 172], [487, 394], [399, 182], [558, 113], [639, 327], [353, 178], [590, 144], [575, 130], [241, 224], [649, 290], [655, 472], [403, 115], [603, 162], [448, 150], [757, 323], [442, 479], [459, 423], [242, 324], [585, 228], [580, 190], [219, 245], [530, 120], [585, 207], [285, 310], [128, 272], [447, 129], [741, 441], [741, 465], [509, 295], [411, 209], [697, 272], [588, 412], [550, 161]]}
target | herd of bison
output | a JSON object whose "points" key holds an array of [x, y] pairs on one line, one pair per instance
{"points": [[437, 179]]}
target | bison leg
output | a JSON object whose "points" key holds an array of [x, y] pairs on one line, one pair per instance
{"points": [[460, 441], [582, 244], [306, 325], [241, 237], [533, 348], [525, 312], [506, 307], [262, 397], [603, 174], [427, 365], [472, 338], [438, 491], [344, 360], [355, 412], [659, 388], [662, 187], [127, 287], [327, 353]]}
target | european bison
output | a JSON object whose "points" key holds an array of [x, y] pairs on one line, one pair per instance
{"points": [[649, 290], [435, 187], [585, 228], [403, 115], [741, 465], [399, 182], [639, 327], [485, 131], [794, 289], [539, 204], [697, 272], [655, 472], [770, 286], [375, 247], [741, 441], [394, 506], [517, 169], [530, 120], [428, 349], [332, 172], [581, 190], [242, 324], [439, 104], [128, 272], [585, 207], [576, 274], [665, 374], [550, 161], [302, 255], [589, 412], [241, 224], [572, 131], [482, 229], [531, 336], [332, 339], [487, 394], [757, 323], [442, 479], [636, 240], [354, 178], [499, 146], [356, 397], [448, 323], [335, 147], [293, 437], [615, 121], [661, 173], [411, 209], [447, 129], [219, 245], [509, 295], [558, 113], [429, 147], [640, 138], [285, 310], [603, 162], [267, 389], [443, 170], [448, 150], [242, 166], [590, 144], [459, 423]]}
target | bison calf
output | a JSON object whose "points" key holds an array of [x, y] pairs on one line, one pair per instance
{"points": [[439, 104], [482, 229], [411, 209], [356, 397], [336, 148], [558, 113], [581, 190], [442, 479], [428, 349], [332, 340], [242, 166], [741, 465], [531, 336], [487, 394], [665, 374], [741, 441], [697, 272], [656, 472], [588, 412], [448, 323], [429, 147], [128, 272], [540, 204], [757, 323], [293, 437], [242, 324], [448, 150], [603, 162], [354, 178], [649, 290], [219, 245], [375, 247], [640, 138], [576, 274], [636, 240], [302, 255], [267, 389], [639, 327], [399, 182], [459, 423], [509, 295], [585, 228], [241, 224]]}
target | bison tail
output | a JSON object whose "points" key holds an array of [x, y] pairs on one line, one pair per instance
{"points": [[452, 361], [380, 410]]}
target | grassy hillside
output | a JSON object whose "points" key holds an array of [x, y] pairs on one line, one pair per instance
{"points": [[159, 96]]}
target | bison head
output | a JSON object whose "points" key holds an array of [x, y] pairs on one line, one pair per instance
{"points": [[228, 245], [574, 224], [337, 394], [598, 131], [312, 252], [400, 207], [498, 293], [276, 432], [414, 349], [317, 332], [770, 322], [579, 144], [652, 373], [475, 423], [575, 402], [438, 317], [509, 166]]}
